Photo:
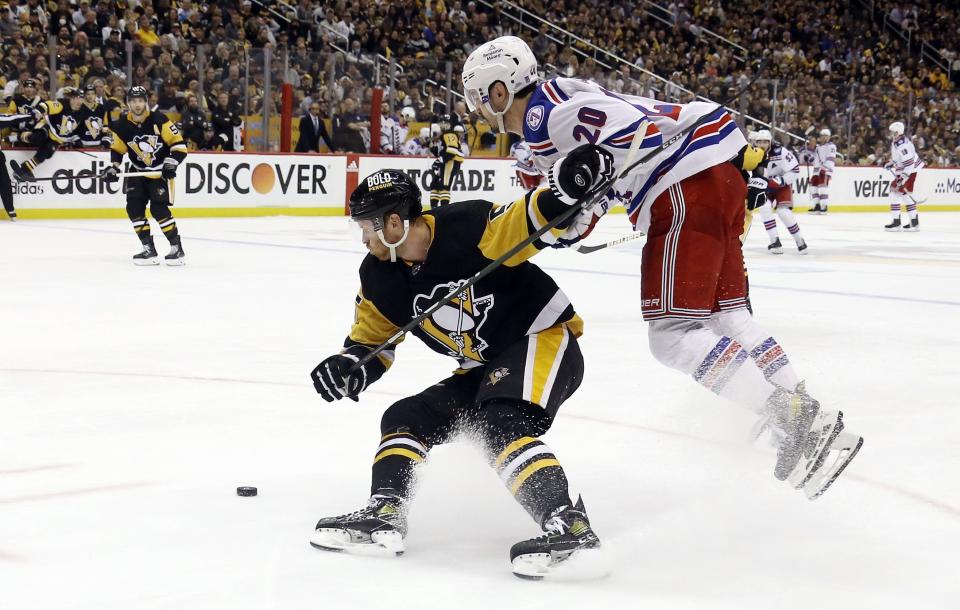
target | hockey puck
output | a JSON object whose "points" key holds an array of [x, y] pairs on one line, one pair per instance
{"points": [[246, 491]]}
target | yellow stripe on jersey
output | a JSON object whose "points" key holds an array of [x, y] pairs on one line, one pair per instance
{"points": [[370, 326], [172, 137], [546, 350], [508, 225], [752, 157]]}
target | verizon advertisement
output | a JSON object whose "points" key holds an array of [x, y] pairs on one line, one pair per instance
{"points": [[480, 178], [204, 180], [870, 186]]}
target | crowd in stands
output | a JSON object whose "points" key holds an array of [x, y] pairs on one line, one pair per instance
{"points": [[836, 63]]}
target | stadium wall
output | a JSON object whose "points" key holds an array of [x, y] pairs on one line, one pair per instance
{"points": [[252, 184]]}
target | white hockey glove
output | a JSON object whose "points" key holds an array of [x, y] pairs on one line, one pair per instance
{"points": [[582, 225], [578, 173]]}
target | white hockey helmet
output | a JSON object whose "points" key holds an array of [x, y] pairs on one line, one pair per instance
{"points": [[761, 135], [897, 128], [408, 113], [507, 59], [458, 129], [424, 133], [435, 130], [825, 132]]}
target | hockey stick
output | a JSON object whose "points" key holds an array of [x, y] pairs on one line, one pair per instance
{"points": [[584, 249], [98, 176], [589, 200], [910, 195]]}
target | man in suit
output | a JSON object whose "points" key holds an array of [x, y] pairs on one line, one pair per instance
{"points": [[312, 129]]}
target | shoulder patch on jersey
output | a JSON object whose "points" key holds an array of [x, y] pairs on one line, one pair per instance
{"points": [[535, 117]]}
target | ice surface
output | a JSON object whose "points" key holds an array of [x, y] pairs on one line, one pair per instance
{"points": [[133, 401]]}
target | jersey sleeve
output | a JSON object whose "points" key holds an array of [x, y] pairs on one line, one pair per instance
{"points": [[118, 148], [791, 168], [370, 329], [173, 138], [510, 224]]}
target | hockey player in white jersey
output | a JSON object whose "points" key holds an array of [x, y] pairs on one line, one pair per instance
{"points": [[528, 175], [689, 200], [781, 171], [417, 146], [824, 159], [904, 163], [393, 131]]}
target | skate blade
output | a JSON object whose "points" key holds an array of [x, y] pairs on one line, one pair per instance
{"points": [[148, 262], [892, 230], [585, 564], [820, 484], [381, 544], [175, 262], [801, 476], [777, 251]]}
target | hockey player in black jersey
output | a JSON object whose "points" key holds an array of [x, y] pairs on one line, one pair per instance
{"points": [[449, 157], [514, 334], [93, 133], [151, 142], [60, 124]]}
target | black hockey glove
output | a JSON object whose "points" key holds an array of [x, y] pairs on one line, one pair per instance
{"points": [[169, 168], [756, 193], [110, 174], [333, 380], [575, 175]]}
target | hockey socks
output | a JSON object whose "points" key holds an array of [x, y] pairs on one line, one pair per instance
{"points": [[396, 457], [532, 473]]}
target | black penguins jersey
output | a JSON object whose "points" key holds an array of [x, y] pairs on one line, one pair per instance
{"points": [[94, 123], [515, 300], [147, 143], [20, 105], [63, 124], [447, 148]]}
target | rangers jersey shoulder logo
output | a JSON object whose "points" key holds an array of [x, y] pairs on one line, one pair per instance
{"points": [[535, 117]]}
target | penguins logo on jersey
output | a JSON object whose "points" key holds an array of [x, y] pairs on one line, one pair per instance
{"points": [[67, 125], [146, 147], [94, 126], [456, 325]]}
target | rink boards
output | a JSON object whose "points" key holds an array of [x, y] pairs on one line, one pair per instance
{"points": [[266, 184]]}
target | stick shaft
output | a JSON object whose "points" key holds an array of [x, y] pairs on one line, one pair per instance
{"points": [[98, 176]]}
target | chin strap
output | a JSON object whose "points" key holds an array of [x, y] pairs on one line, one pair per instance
{"points": [[393, 247], [499, 115]]}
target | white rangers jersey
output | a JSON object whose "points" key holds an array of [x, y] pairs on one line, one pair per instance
{"points": [[904, 157], [783, 167], [824, 158], [392, 135], [414, 147], [565, 113]]}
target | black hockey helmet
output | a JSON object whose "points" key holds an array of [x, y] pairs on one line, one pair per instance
{"points": [[90, 87], [137, 91], [29, 82], [385, 192], [69, 92]]}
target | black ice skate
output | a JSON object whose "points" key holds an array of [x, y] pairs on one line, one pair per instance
{"points": [[568, 535], [776, 247], [12, 215], [378, 529], [815, 210], [813, 449], [148, 256], [893, 226], [22, 172], [912, 225], [176, 256], [802, 247]]}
